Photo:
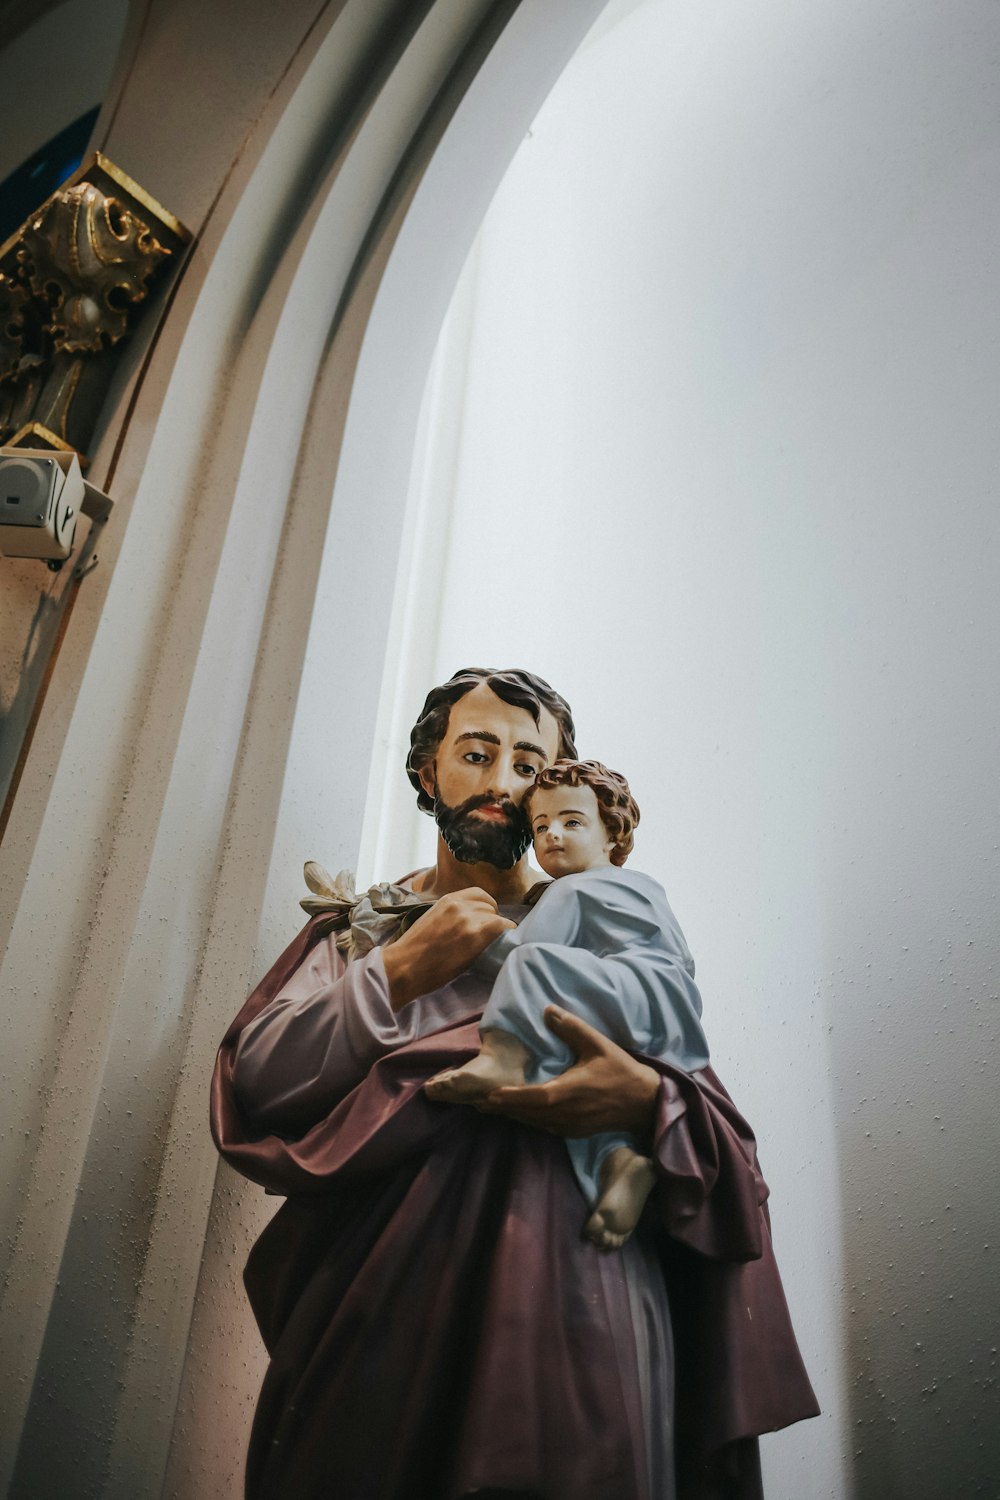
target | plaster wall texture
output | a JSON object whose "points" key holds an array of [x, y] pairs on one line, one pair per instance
{"points": [[718, 404]]}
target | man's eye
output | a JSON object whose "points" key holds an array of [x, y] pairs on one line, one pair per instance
{"points": [[475, 757], [525, 769]]}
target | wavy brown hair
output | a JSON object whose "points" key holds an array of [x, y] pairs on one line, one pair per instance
{"points": [[519, 688], [618, 808]]}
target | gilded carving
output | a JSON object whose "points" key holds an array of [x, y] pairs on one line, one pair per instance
{"points": [[21, 352], [71, 283], [91, 260], [12, 300]]}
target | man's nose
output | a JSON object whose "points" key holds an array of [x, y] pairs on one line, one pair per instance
{"points": [[503, 781]]}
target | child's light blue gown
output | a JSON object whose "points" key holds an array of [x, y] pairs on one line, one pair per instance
{"points": [[604, 945]]}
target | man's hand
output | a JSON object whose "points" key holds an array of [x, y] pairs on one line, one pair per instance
{"points": [[441, 944], [605, 1089]]}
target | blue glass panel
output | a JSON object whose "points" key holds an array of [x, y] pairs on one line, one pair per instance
{"points": [[30, 184]]}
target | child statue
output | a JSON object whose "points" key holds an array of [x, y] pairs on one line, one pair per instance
{"points": [[604, 944]]}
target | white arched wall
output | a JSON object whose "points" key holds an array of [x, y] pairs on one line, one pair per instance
{"points": [[334, 192], [710, 442]]}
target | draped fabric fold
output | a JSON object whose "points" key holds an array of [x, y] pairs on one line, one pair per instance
{"points": [[437, 1324]]}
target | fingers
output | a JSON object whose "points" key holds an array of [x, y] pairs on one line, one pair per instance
{"points": [[463, 912], [473, 895], [470, 911], [482, 930], [578, 1035], [530, 1104], [514, 1097], [433, 951]]}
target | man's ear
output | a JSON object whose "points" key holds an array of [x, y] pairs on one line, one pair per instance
{"points": [[427, 776]]}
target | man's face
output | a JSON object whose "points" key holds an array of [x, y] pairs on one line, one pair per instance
{"points": [[489, 756]]}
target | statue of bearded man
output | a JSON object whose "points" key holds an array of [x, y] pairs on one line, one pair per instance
{"points": [[437, 1325]]}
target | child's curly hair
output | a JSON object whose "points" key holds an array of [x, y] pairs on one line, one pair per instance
{"points": [[618, 808]]}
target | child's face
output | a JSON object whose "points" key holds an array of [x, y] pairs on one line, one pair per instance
{"points": [[568, 830]]}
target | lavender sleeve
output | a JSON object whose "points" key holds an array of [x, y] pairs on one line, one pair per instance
{"points": [[316, 1040]]}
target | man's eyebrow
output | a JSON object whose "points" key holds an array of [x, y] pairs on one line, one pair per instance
{"points": [[527, 745], [479, 734]]}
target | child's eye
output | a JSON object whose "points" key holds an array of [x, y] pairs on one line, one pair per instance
{"points": [[572, 822], [540, 828]]}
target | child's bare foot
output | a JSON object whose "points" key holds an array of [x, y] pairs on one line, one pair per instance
{"points": [[501, 1061], [626, 1182]]}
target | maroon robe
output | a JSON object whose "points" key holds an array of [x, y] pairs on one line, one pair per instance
{"points": [[438, 1326]]}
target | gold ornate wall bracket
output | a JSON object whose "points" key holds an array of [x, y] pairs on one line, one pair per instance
{"points": [[73, 281]]}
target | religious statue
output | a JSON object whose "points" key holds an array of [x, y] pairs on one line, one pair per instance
{"points": [[437, 1323]]}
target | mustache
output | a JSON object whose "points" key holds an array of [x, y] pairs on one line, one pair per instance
{"points": [[510, 809]]}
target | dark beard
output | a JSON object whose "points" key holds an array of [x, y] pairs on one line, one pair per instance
{"points": [[482, 840]]}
